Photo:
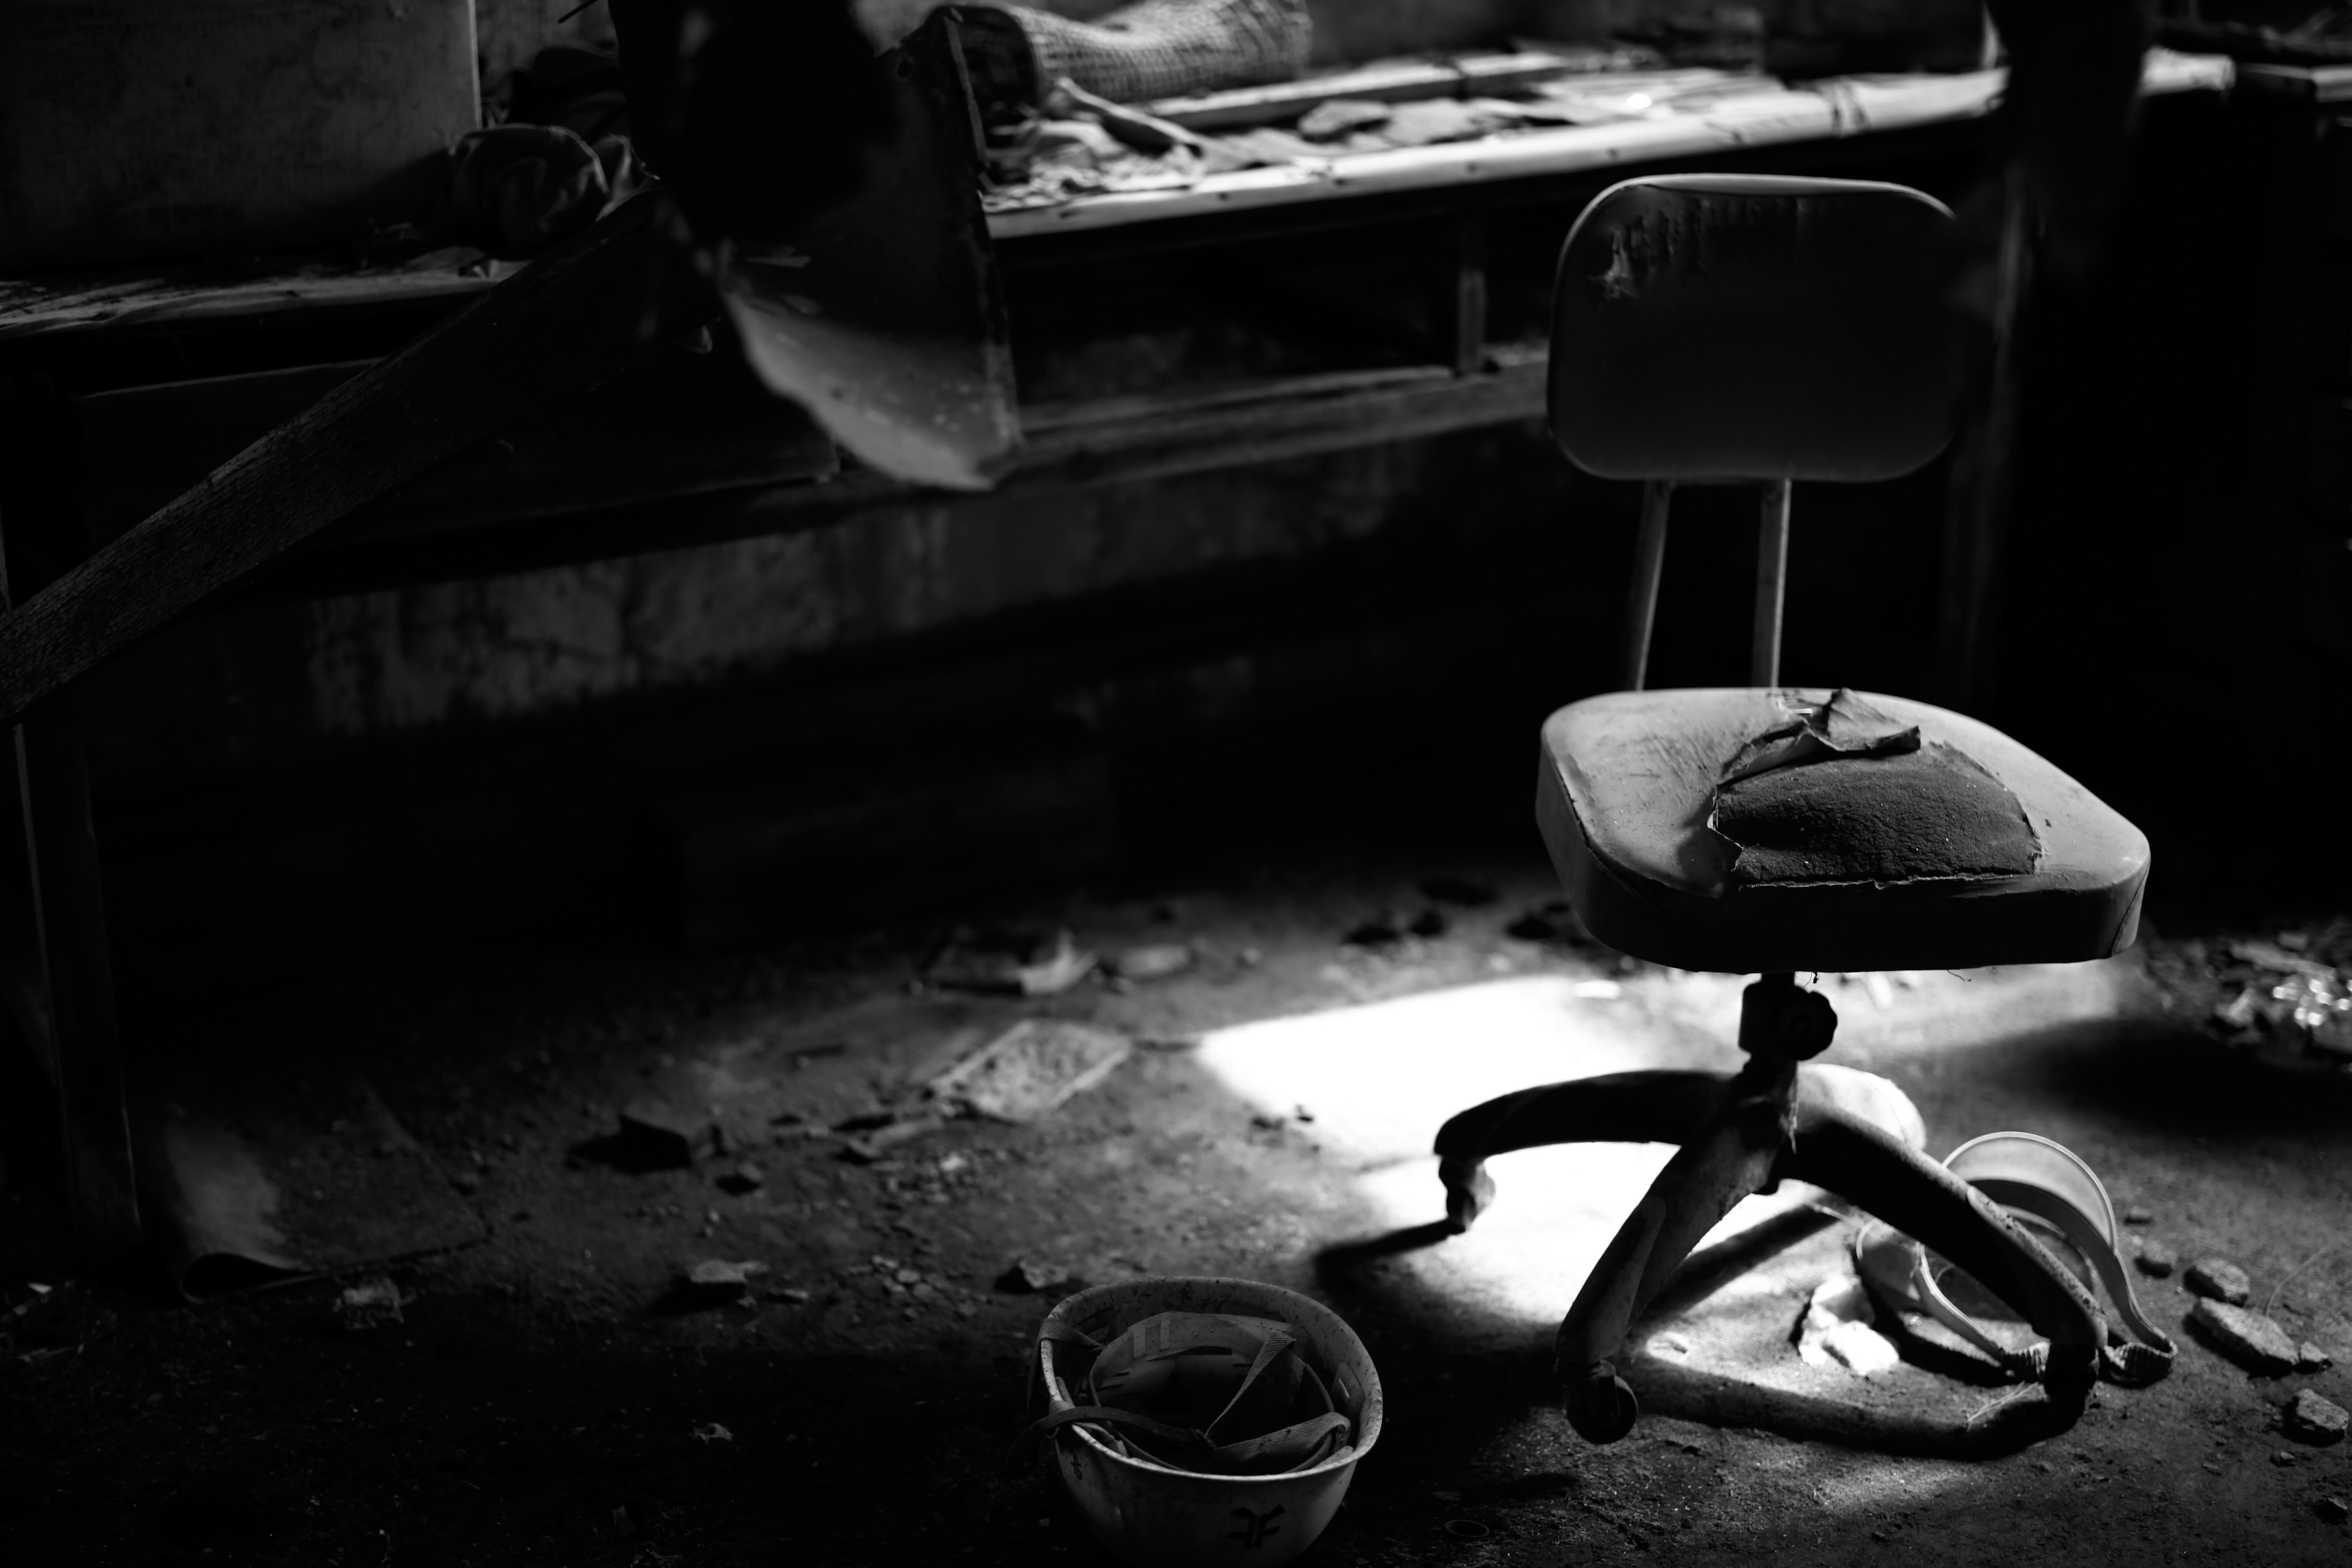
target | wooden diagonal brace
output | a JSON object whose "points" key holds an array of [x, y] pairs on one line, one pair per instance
{"points": [[569, 322]]}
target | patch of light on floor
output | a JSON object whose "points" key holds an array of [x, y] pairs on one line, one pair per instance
{"points": [[1878, 1490], [1381, 1078]]}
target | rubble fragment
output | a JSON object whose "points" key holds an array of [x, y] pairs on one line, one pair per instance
{"points": [[1152, 961], [652, 1136], [2333, 1509], [371, 1304], [2156, 1260], [870, 1145], [1061, 967], [57, 1318], [2309, 1418], [745, 1177], [2219, 1281], [2309, 1357], [1032, 1277], [2136, 1214], [1009, 965], [2246, 1337], [712, 1432], [714, 1282]]}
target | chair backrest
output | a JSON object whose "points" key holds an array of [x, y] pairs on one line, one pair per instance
{"points": [[1726, 327]]}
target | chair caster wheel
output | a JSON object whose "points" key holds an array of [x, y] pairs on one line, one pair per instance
{"points": [[1468, 1191], [1602, 1405]]}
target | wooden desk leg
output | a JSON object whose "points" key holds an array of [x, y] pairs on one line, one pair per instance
{"points": [[40, 537]]}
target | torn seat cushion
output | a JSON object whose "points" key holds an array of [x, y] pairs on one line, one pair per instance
{"points": [[1929, 812], [1749, 830]]}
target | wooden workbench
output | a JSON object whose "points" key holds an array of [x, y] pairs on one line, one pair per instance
{"points": [[1406, 291]]}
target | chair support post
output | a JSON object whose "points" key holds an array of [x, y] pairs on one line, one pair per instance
{"points": [[1649, 564], [1772, 582]]}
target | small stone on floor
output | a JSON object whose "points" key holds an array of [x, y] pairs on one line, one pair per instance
{"points": [[2219, 1281], [2309, 1418], [2246, 1337]]}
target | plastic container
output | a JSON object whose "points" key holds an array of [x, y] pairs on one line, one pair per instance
{"points": [[1156, 1516]]}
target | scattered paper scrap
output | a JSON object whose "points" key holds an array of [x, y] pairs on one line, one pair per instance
{"points": [[1031, 1068], [1836, 1330]]}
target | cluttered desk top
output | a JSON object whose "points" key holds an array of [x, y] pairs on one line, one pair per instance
{"points": [[1379, 130]]}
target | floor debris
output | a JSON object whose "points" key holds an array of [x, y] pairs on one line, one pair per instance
{"points": [[870, 1144], [712, 1432], [2286, 998], [2156, 1260], [1153, 960], [2218, 1281], [371, 1304], [1009, 964], [2246, 1337], [54, 1321], [2333, 1509], [2309, 1357], [1032, 1277], [2309, 1418], [714, 1282], [1031, 1068], [745, 1177], [1836, 1331], [652, 1136]]}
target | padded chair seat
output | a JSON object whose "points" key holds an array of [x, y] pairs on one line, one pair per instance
{"points": [[1755, 830]]}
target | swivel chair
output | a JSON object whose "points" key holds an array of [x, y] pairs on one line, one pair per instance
{"points": [[1712, 328]]}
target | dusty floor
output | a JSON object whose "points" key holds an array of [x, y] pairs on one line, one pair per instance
{"points": [[541, 1401]]}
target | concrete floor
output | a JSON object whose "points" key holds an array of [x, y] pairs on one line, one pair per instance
{"points": [[541, 1400]]}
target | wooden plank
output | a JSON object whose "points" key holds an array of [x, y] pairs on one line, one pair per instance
{"points": [[118, 301], [63, 893], [568, 323], [1069, 447], [681, 424], [1396, 81]]}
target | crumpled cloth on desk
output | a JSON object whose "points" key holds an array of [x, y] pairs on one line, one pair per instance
{"points": [[1154, 48], [562, 158]]}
